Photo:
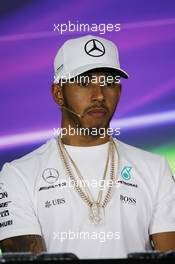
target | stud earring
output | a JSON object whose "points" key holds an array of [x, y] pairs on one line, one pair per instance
{"points": [[61, 102]]}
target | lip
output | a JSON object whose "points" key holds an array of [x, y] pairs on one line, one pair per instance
{"points": [[97, 112]]}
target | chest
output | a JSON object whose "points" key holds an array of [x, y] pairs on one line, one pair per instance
{"points": [[60, 207]]}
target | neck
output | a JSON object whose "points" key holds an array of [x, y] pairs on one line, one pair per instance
{"points": [[71, 137], [84, 141], [81, 139]]}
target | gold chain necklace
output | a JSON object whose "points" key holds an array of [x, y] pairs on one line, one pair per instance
{"points": [[96, 214]]}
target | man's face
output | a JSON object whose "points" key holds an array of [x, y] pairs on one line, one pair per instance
{"points": [[94, 95]]}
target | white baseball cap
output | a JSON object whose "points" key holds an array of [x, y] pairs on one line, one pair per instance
{"points": [[79, 55]]}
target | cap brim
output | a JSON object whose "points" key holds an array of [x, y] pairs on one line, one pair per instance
{"points": [[89, 67], [85, 68]]}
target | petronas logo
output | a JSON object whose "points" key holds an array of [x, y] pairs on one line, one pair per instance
{"points": [[126, 173]]}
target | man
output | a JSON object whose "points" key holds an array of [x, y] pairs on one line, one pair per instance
{"points": [[48, 201]]}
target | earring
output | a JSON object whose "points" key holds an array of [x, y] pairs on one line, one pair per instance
{"points": [[61, 102]]}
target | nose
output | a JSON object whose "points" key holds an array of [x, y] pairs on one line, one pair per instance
{"points": [[97, 93]]}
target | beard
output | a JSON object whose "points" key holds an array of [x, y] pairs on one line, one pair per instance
{"points": [[95, 130], [87, 126]]}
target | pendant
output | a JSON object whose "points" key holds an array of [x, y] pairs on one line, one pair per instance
{"points": [[97, 215]]}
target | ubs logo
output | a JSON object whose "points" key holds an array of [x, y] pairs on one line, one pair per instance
{"points": [[94, 48], [50, 175], [50, 203]]}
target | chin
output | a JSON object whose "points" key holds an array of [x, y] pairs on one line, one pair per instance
{"points": [[96, 125]]}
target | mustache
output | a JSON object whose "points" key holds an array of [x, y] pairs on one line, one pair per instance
{"points": [[96, 106]]}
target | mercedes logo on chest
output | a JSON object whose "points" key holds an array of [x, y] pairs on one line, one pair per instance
{"points": [[94, 48], [50, 175]]}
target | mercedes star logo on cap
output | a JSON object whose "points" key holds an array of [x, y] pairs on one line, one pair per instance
{"points": [[50, 175], [94, 48]]}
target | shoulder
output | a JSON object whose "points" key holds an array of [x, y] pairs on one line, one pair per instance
{"points": [[30, 164], [41, 153], [137, 154], [149, 165]]}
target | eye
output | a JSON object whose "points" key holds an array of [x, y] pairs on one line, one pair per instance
{"points": [[111, 81], [110, 84], [83, 83]]}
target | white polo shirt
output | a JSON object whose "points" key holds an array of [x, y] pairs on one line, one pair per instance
{"points": [[35, 198]]}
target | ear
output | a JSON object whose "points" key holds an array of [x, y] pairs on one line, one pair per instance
{"points": [[57, 94]]}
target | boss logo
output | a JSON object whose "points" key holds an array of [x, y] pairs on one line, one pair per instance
{"points": [[127, 200]]}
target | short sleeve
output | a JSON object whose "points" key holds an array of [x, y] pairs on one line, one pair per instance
{"points": [[163, 217], [17, 214]]}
